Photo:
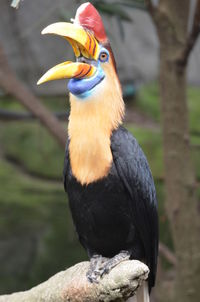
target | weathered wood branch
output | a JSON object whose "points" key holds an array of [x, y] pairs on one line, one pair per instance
{"points": [[72, 285]]}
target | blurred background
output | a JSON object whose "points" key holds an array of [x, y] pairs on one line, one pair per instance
{"points": [[37, 238]]}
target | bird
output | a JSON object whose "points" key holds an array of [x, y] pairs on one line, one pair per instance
{"points": [[107, 177]]}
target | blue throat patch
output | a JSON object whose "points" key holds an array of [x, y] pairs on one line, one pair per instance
{"points": [[82, 88]]}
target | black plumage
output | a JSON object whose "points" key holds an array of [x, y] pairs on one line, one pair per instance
{"points": [[118, 212]]}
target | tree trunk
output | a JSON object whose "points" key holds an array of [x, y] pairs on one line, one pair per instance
{"points": [[181, 205]]}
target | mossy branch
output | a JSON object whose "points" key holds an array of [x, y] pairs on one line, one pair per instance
{"points": [[71, 285]]}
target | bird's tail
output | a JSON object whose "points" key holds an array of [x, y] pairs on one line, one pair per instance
{"points": [[142, 294]]}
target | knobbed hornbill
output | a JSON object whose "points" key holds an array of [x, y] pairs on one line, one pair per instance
{"points": [[106, 175]]}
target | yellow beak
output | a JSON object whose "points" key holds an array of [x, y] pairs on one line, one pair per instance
{"points": [[83, 43]]}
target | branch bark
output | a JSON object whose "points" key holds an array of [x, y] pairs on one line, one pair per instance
{"points": [[11, 85], [72, 285]]}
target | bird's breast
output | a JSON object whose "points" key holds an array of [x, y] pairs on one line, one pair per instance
{"points": [[90, 157]]}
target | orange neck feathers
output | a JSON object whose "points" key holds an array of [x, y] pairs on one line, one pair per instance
{"points": [[91, 123]]}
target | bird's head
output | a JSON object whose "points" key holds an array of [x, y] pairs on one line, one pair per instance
{"points": [[94, 69]]}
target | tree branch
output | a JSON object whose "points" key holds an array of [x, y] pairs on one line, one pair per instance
{"points": [[193, 36], [11, 85], [8, 115], [150, 8], [165, 251], [71, 285]]}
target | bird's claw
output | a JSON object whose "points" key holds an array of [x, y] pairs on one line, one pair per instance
{"points": [[100, 266], [93, 276], [94, 272]]}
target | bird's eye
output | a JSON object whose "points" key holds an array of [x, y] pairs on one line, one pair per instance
{"points": [[103, 57]]}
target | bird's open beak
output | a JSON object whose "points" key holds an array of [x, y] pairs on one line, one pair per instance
{"points": [[83, 43]]}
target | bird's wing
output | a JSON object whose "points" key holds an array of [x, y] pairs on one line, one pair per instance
{"points": [[134, 171]]}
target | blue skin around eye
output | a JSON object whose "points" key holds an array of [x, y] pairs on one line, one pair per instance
{"points": [[82, 87]]}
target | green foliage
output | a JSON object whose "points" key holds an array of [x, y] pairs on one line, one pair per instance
{"points": [[151, 145], [55, 103], [148, 101], [36, 228], [21, 142], [11, 104]]}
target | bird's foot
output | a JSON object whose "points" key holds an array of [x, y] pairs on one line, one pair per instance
{"points": [[99, 266], [96, 265], [112, 262]]}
